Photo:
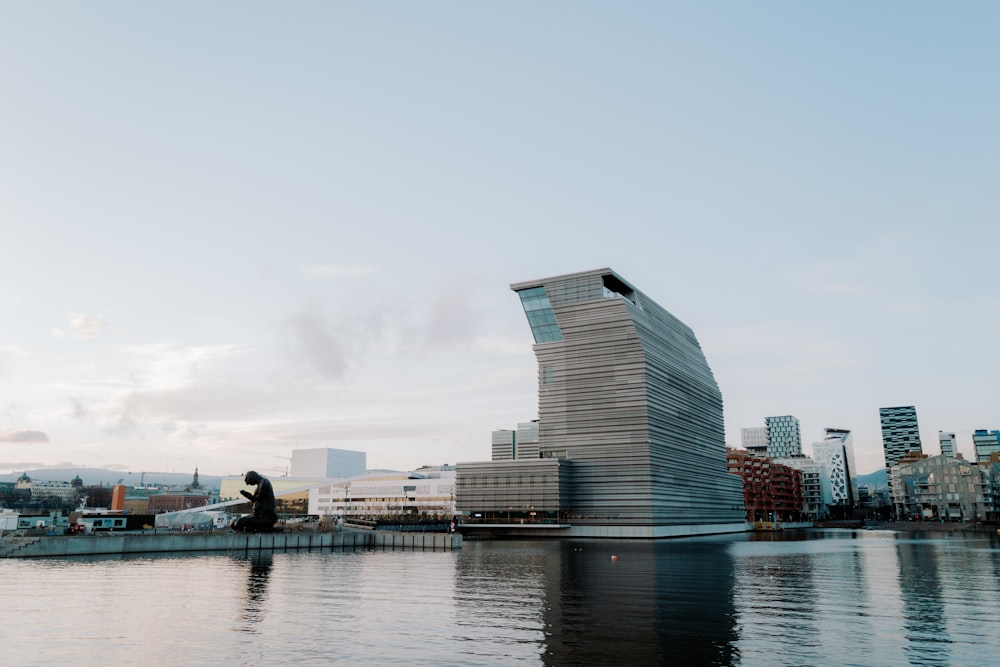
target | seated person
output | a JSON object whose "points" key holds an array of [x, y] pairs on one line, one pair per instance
{"points": [[264, 514]]}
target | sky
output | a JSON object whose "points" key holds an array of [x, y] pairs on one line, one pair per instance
{"points": [[235, 229]]}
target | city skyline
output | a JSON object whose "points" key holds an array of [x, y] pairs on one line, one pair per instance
{"points": [[235, 231]]}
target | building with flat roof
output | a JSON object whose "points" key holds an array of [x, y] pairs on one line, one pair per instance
{"points": [[629, 410], [424, 492], [326, 462], [986, 444], [754, 439], [947, 441], [900, 433], [784, 437], [941, 488], [771, 491]]}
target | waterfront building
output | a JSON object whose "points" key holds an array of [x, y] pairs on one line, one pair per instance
{"points": [[897, 491], [754, 440], [428, 491], [900, 433], [947, 441], [784, 437], [326, 462], [771, 491], [812, 485], [993, 474], [986, 444], [630, 421], [941, 488], [834, 456]]}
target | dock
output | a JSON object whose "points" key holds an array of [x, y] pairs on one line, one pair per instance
{"points": [[220, 541]]}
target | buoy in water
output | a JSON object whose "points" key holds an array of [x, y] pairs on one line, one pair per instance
{"points": [[614, 557]]}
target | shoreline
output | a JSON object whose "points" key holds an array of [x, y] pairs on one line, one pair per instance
{"points": [[914, 526]]}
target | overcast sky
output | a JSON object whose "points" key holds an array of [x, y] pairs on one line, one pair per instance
{"points": [[233, 229]]}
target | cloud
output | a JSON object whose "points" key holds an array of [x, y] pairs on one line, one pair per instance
{"points": [[317, 344], [24, 436], [336, 270], [84, 327], [13, 350]]}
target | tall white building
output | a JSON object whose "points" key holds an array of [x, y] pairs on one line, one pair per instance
{"points": [[835, 457]]}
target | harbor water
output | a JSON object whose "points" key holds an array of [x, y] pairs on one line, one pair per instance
{"points": [[836, 597]]}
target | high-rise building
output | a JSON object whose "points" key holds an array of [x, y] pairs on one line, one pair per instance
{"points": [[628, 404], [754, 440], [986, 443], [784, 437], [835, 458], [900, 433], [520, 444], [947, 441]]}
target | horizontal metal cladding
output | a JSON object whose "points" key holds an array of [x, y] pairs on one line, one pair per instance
{"points": [[628, 396], [493, 486]]}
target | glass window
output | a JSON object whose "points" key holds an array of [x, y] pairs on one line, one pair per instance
{"points": [[541, 319]]}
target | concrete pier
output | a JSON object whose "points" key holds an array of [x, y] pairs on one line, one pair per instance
{"points": [[148, 543]]}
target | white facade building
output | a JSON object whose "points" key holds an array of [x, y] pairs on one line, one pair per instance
{"points": [[325, 463], [427, 491], [754, 439], [835, 457]]}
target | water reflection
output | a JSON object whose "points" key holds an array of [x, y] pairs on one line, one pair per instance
{"points": [[610, 603], [258, 576], [923, 609]]}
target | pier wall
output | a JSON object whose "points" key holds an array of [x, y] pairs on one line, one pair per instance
{"points": [[109, 544]]}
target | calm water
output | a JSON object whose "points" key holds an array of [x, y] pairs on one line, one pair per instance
{"points": [[817, 598]]}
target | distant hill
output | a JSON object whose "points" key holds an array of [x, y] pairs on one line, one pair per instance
{"points": [[98, 476], [878, 479]]}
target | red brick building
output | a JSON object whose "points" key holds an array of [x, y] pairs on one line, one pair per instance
{"points": [[172, 502], [771, 491]]}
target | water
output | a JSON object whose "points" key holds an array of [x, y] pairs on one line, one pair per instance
{"points": [[812, 598]]}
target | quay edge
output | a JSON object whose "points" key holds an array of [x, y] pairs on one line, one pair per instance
{"points": [[111, 544]]}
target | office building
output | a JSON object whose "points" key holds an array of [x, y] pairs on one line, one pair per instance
{"points": [[986, 444], [835, 457], [947, 441], [784, 437], [522, 443], [754, 440], [900, 433], [630, 422]]}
